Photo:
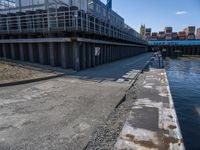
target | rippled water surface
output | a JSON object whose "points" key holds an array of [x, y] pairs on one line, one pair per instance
{"points": [[184, 79]]}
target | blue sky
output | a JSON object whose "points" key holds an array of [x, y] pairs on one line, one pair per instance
{"points": [[159, 13]]}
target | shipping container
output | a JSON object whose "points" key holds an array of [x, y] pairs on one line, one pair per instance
{"points": [[168, 30], [174, 36], [154, 36], [198, 32], [182, 35], [161, 35], [168, 36]]}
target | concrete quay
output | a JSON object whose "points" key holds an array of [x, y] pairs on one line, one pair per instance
{"points": [[152, 122], [62, 113]]}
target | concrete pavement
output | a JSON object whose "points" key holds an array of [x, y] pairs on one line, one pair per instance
{"points": [[62, 113]]}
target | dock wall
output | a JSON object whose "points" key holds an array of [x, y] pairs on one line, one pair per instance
{"points": [[66, 52]]}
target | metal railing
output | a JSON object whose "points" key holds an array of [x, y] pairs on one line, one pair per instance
{"points": [[71, 21]]}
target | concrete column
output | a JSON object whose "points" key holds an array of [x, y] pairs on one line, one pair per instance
{"points": [[64, 56], [43, 55], [12, 48], [101, 54], [88, 55], [83, 56], [193, 50], [198, 50], [6, 50], [31, 53], [23, 50], [1, 51], [104, 54], [93, 55], [97, 58], [76, 56], [52, 54]]}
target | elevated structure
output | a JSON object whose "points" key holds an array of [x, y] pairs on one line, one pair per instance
{"points": [[72, 34], [185, 47]]}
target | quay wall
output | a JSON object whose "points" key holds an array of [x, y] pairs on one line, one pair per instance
{"points": [[66, 52]]}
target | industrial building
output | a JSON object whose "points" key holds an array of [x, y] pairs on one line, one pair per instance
{"points": [[68, 33]]}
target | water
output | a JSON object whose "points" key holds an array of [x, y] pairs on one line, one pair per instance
{"points": [[184, 79]]}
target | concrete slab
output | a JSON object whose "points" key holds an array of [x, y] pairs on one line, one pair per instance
{"points": [[62, 113], [152, 123]]}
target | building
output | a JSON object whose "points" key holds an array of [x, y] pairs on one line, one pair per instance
{"points": [[142, 30]]}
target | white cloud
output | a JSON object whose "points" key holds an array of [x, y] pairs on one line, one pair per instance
{"points": [[181, 12]]}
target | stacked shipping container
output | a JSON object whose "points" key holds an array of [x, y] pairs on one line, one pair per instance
{"points": [[198, 34], [168, 33]]}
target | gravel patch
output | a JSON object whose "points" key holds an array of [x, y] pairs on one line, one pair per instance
{"points": [[105, 137]]}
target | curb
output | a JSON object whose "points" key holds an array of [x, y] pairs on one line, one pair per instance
{"points": [[29, 81], [132, 83]]}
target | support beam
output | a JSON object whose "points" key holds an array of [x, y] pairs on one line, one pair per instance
{"points": [[43, 54], [93, 55], [6, 51], [64, 55], [76, 56], [52, 54], [83, 56], [88, 55]]}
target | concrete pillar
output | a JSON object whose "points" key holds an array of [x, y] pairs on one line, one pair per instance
{"points": [[52, 54], [83, 56], [198, 50], [43, 54], [93, 54], [101, 54], [6, 50], [23, 51], [31, 51], [97, 57], [193, 50], [64, 55], [1, 51], [104, 54], [88, 55], [76, 56], [14, 54]]}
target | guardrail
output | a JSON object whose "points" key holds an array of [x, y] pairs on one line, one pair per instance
{"points": [[70, 20]]}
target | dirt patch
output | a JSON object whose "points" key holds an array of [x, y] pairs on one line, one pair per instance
{"points": [[13, 72]]}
